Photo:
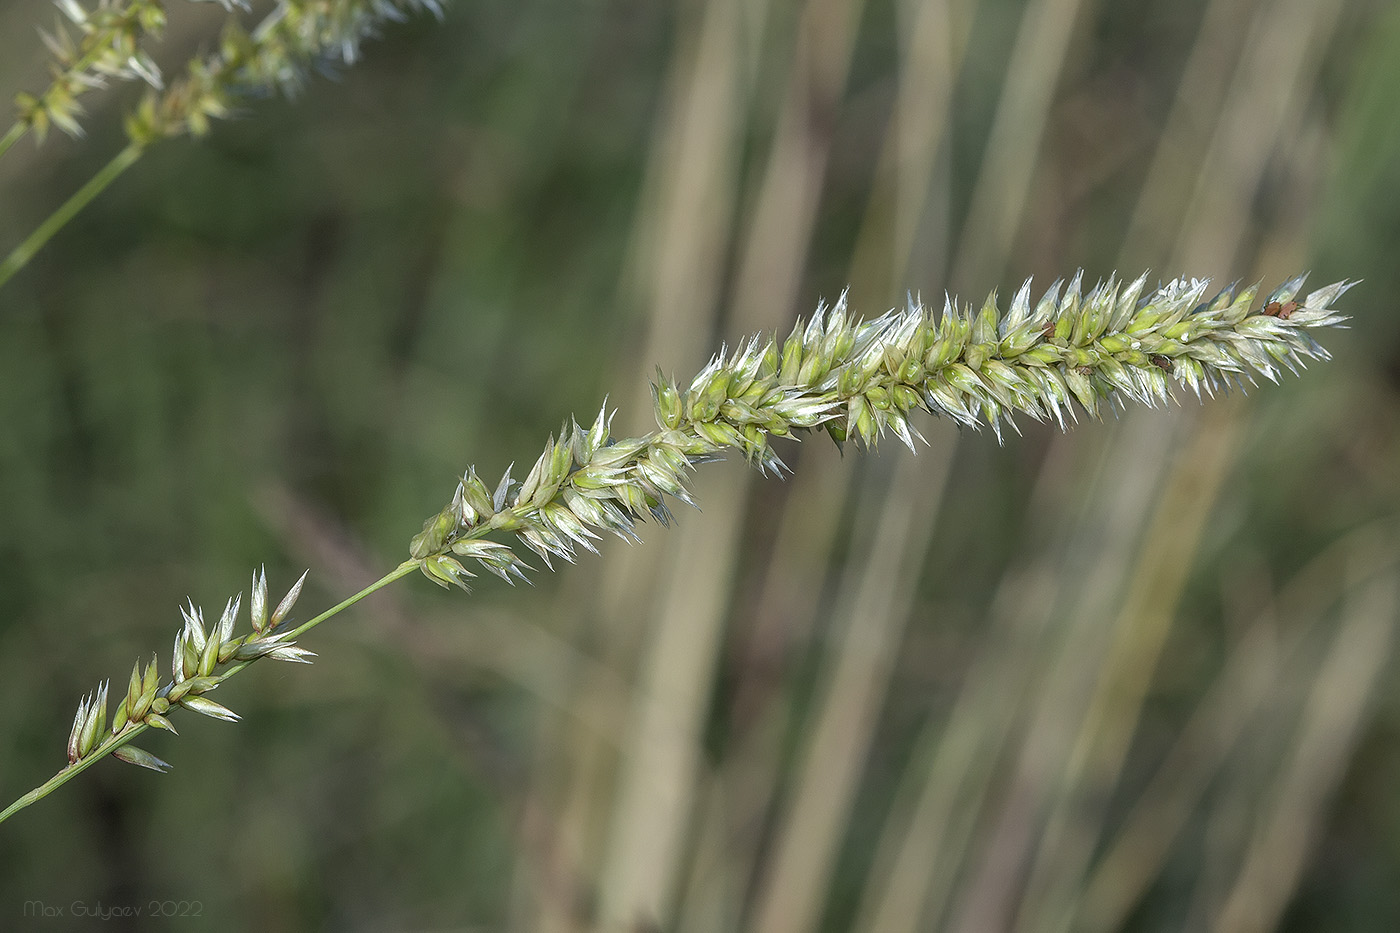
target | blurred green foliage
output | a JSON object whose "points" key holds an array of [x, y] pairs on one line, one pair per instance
{"points": [[282, 344]]}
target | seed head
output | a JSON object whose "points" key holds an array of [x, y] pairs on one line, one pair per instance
{"points": [[1067, 352]]}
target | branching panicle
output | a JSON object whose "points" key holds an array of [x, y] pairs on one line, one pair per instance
{"points": [[860, 379]]}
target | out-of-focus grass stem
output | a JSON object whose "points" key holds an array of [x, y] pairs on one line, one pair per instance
{"points": [[124, 737], [19, 256], [15, 134]]}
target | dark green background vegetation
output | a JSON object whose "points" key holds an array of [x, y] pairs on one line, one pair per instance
{"points": [[281, 344]]}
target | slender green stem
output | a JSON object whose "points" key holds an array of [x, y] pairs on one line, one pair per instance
{"points": [[402, 570], [20, 255], [15, 134], [113, 743], [132, 730]]}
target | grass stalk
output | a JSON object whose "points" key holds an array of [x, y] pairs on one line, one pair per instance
{"points": [[125, 735], [73, 770], [875, 603], [1138, 634], [19, 256], [1259, 673], [1338, 704], [931, 830], [1023, 111], [402, 570], [643, 857], [858, 380], [679, 237], [275, 56], [15, 134]]}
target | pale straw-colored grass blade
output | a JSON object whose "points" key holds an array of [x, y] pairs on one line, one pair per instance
{"points": [[680, 238], [1277, 67], [1008, 165], [930, 828], [1292, 808], [1251, 681], [1232, 167], [1100, 557], [782, 625], [812, 822], [997, 206], [654, 806], [1155, 225], [1138, 632], [786, 608], [871, 610]]}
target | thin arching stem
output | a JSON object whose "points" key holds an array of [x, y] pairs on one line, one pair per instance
{"points": [[15, 134], [19, 257], [114, 742]]}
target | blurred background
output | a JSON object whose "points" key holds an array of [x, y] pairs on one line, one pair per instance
{"points": [[1138, 676]]}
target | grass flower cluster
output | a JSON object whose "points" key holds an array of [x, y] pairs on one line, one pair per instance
{"points": [[106, 42], [276, 55], [98, 44], [857, 380], [202, 657]]}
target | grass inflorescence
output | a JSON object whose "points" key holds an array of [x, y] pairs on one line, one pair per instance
{"points": [[94, 46], [202, 657], [855, 379], [860, 379], [105, 41]]}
